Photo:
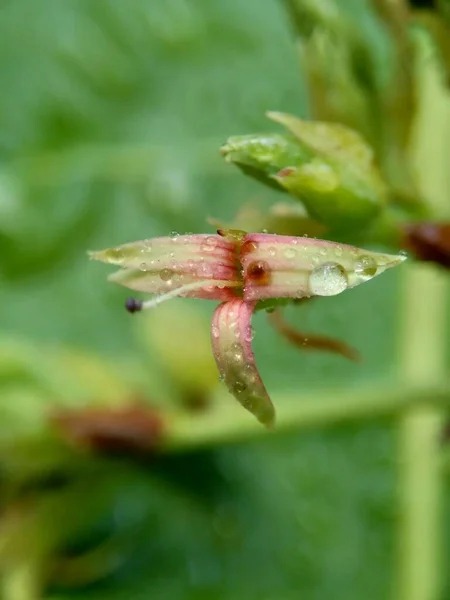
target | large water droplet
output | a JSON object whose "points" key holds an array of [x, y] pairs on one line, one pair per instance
{"points": [[366, 267], [328, 279]]}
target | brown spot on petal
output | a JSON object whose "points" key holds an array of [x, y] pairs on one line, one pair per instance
{"points": [[248, 247], [128, 430], [258, 272], [428, 242]]}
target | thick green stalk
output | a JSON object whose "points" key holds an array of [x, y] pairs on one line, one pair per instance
{"points": [[423, 346], [298, 412]]}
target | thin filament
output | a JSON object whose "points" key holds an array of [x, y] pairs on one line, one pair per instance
{"points": [[188, 287]]}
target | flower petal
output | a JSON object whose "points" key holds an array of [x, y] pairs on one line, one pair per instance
{"points": [[162, 265], [231, 336], [278, 266]]}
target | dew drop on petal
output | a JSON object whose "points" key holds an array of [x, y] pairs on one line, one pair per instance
{"points": [[215, 331], [143, 266], [290, 253], [116, 255], [338, 251], [272, 251], [236, 353], [205, 270], [328, 279], [249, 334], [166, 274], [366, 267], [323, 251], [209, 244], [239, 387]]}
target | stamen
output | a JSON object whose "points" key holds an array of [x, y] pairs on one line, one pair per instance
{"points": [[188, 287]]}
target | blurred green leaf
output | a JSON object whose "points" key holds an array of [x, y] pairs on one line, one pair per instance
{"points": [[111, 114]]}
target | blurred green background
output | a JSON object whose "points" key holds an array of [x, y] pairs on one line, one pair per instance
{"points": [[111, 116]]}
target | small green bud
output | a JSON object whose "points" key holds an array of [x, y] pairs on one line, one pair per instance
{"points": [[261, 156], [327, 166]]}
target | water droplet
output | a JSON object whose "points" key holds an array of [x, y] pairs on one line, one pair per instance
{"points": [[215, 331], [403, 253], [338, 251], [328, 279], [166, 274], [209, 244], [272, 251], [205, 270], [239, 387], [290, 253], [250, 374], [115, 255], [264, 231], [174, 236], [249, 334], [143, 266], [236, 352], [366, 267], [323, 251]]}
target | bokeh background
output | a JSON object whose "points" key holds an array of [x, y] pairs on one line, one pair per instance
{"points": [[111, 116]]}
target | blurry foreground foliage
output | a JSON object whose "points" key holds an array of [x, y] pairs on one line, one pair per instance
{"points": [[116, 479]]}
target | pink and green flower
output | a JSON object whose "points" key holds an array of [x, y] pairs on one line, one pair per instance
{"points": [[241, 271]]}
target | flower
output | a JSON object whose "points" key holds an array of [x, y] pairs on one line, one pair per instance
{"points": [[241, 270]]}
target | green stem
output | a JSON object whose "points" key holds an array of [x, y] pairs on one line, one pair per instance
{"points": [[299, 412], [420, 428]]}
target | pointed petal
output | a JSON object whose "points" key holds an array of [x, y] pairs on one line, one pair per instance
{"points": [[162, 265], [328, 138], [231, 336], [278, 266]]}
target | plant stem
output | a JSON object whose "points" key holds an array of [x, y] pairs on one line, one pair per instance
{"points": [[329, 407], [422, 363], [423, 347]]}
